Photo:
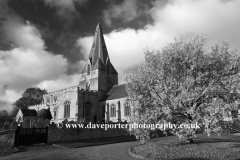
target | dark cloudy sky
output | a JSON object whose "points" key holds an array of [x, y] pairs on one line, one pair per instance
{"points": [[45, 43]]}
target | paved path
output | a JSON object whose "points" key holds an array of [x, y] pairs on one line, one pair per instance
{"points": [[117, 151]]}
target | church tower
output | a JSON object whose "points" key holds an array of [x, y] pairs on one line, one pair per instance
{"points": [[98, 74]]}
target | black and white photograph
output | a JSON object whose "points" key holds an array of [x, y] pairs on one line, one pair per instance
{"points": [[119, 79]]}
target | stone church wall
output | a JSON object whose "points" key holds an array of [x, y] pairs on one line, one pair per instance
{"points": [[55, 101], [85, 96], [59, 108], [120, 110], [91, 79], [104, 85]]}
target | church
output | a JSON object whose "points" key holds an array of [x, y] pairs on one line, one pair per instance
{"points": [[97, 98]]}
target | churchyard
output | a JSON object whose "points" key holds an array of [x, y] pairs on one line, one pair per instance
{"points": [[164, 147]]}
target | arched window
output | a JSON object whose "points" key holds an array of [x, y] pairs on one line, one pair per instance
{"points": [[113, 110], [87, 109], [55, 98], [108, 69], [55, 114], [127, 110], [87, 86], [88, 69], [103, 111], [67, 109], [48, 99]]}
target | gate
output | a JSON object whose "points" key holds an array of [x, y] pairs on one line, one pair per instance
{"points": [[25, 136]]}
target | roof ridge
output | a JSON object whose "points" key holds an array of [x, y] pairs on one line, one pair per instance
{"points": [[119, 84], [70, 87]]}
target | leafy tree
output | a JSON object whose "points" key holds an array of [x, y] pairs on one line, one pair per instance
{"points": [[32, 96], [4, 116], [184, 83], [45, 114]]}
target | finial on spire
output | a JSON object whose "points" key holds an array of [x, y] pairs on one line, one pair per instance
{"points": [[98, 21]]}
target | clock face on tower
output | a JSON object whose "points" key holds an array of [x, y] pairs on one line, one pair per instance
{"points": [[108, 79]]}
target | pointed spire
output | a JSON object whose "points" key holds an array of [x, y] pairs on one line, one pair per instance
{"points": [[99, 50]]}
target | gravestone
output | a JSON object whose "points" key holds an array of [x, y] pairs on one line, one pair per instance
{"points": [[26, 123], [41, 120], [65, 121], [46, 122], [34, 124], [14, 125], [31, 123], [86, 120], [6, 125], [1, 126], [39, 125], [71, 122]]}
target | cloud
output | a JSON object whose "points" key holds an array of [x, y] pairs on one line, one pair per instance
{"points": [[181, 19], [65, 8], [4, 10], [219, 20], [63, 82], [21, 68], [85, 43], [4, 105], [7, 99], [28, 63], [127, 10], [25, 36]]}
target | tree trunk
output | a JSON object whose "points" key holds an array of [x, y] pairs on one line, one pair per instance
{"points": [[190, 140]]}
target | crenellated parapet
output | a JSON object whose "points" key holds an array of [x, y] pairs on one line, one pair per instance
{"points": [[87, 91], [72, 88], [51, 98]]}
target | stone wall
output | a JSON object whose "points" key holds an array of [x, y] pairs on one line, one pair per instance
{"points": [[7, 138], [26, 123], [66, 134]]}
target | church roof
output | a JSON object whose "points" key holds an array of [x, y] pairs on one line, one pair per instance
{"points": [[84, 70], [116, 92], [99, 49], [99, 57], [29, 112], [99, 65]]}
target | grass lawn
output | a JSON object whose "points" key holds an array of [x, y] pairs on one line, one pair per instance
{"points": [[6, 150], [226, 147]]}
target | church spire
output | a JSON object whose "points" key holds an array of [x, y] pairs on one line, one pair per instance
{"points": [[98, 54]]}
